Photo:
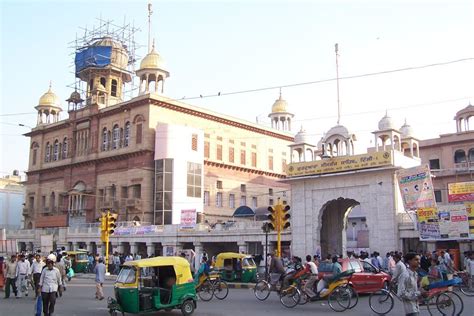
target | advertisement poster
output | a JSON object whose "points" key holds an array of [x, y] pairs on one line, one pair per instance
{"points": [[453, 222], [416, 187], [461, 191], [428, 223], [188, 219], [470, 215]]}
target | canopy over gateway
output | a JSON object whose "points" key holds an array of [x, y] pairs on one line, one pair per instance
{"points": [[243, 211]]}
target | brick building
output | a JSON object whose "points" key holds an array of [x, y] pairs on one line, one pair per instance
{"points": [[103, 155]]}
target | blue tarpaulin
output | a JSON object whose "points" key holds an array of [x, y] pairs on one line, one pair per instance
{"points": [[243, 211], [94, 56]]}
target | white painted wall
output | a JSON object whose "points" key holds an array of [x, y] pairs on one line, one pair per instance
{"points": [[174, 141]]}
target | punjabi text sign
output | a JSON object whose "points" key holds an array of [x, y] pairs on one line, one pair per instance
{"points": [[461, 191], [340, 164], [416, 187]]}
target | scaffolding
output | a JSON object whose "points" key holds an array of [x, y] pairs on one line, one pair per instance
{"points": [[124, 34]]}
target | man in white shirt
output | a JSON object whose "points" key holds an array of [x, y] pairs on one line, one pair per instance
{"points": [[400, 267], [408, 285], [35, 271], [308, 288], [470, 270], [50, 282], [22, 272]]}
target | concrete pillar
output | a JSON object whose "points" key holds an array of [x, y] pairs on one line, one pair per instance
{"points": [[198, 250], [150, 249], [243, 247], [120, 248], [133, 248]]}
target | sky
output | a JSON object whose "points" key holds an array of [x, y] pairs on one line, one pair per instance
{"points": [[231, 46]]}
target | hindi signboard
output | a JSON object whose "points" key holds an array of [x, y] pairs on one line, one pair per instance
{"points": [[470, 216], [340, 164], [416, 187], [445, 222], [428, 225], [461, 191], [188, 219]]}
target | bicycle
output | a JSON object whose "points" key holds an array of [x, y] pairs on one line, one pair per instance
{"points": [[289, 297], [221, 288], [204, 288], [305, 298], [438, 294], [465, 286]]}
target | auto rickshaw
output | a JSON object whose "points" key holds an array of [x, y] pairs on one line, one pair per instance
{"points": [[79, 260], [153, 284], [236, 267]]}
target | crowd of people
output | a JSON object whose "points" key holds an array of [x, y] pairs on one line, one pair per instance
{"points": [[410, 272]]}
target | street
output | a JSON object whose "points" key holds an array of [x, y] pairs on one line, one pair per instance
{"points": [[79, 300]]}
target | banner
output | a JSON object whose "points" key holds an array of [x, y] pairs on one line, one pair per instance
{"points": [[445, 222], [453, 222], [140, 230], [340, 164], [428, 225], [461, 191], [416, 187], [188, 219], [470, 216]]}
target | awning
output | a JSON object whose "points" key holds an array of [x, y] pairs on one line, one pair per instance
{"points": [[261, 213], [243, 211]]}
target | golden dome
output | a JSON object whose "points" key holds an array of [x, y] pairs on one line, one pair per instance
{"points": [[49, 99], [152, 60], [280, 106]]}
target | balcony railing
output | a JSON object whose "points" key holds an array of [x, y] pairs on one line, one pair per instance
{"points": [[134, 203], [464, 166]]}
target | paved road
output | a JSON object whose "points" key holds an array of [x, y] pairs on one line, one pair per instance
{"points": [[79, 300]]}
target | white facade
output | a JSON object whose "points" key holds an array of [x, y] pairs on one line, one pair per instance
{"points": [[375, 190], [175, 142]]}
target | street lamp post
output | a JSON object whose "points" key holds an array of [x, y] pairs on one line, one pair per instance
{"points": [[266, 229]]}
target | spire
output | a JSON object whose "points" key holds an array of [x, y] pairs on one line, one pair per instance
{"points": [[280, 94], [50, 84], [150, 12], [337, 83]]}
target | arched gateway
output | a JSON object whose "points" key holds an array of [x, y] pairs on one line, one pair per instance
{"points": [[333, 225]]}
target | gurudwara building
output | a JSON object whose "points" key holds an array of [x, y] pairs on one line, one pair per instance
{"points": [[148, 158]]}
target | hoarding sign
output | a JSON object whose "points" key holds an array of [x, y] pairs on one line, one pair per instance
{"points": [[470, 216], [445, 222], [428, 223], [188, 219], [461, 191], [416, 187]]}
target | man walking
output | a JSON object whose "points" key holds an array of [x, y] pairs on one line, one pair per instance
{"points": [[408, 285], [35, 271], [22, 272], [49, 285], [99, 279], [10, 275], [313, 269]]}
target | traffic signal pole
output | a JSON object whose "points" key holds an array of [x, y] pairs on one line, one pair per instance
{"points": [[107, 244]]}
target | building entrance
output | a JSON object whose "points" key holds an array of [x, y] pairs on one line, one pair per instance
{"points": [[333, 225]]}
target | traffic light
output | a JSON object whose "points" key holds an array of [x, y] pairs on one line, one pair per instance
{"points": [[285, 217], [103, 228], [273, 217], [111, 219]]}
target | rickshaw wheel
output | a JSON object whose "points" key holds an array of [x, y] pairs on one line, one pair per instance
{"points": [[206, 291], [187, 308]]}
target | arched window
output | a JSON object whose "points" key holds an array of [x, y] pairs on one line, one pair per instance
{"points": [[34, 152], [102, 81], [64, 155], [116, 137], [126, 138], [104, 139], [121, 138], [113, 88], [459, 156], [56, 150], [471, 155], [47, 152]]}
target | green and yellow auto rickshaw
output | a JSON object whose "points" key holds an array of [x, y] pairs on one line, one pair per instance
{"points": [[79, 260], [153, 284], [236, 267]]}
